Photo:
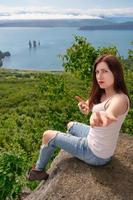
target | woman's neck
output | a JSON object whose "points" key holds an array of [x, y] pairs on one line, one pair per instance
{"points": [[108, 93]]}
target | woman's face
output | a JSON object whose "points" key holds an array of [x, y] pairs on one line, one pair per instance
{"points": [[104, 76]]}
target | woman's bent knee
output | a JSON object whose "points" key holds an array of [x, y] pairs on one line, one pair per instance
{"points": [[48, 135], [69, 125]]}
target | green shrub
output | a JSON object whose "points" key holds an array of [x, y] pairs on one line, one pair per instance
{"points": [[12, 168]]}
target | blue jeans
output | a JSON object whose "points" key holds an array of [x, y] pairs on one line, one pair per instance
{"points": [[74, 142]]}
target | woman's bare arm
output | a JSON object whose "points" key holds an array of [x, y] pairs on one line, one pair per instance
{"points": [[117, 106]]}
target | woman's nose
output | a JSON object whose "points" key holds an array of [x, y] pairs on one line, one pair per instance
{"points": [[99, 76]]}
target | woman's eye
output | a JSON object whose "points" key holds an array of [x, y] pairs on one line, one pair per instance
{"points": [[105, 71]]}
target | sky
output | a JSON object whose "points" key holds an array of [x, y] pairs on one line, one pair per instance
{"points": [[56, 9]]}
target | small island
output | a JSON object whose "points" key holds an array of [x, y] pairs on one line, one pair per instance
{"points": [[2, 56]]}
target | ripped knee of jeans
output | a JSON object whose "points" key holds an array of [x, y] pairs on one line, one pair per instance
{"points": [[70, 125], [48, 137]]}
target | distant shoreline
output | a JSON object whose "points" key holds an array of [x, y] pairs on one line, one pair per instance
{"points": [[116, 26], [30, 70], [81, 24]]}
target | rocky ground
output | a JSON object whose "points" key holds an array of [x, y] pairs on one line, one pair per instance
{"points": [[71, 178]]}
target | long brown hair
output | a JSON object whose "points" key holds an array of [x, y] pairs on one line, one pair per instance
{"points": [[119, 83]]}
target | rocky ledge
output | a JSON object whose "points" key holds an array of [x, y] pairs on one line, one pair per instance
{"points": [[71, 178]]}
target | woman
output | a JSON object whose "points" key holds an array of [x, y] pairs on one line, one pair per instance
{"points": [[94, 144]]}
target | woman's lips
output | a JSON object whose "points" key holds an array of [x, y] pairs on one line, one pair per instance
{"points": [[100, 82]]}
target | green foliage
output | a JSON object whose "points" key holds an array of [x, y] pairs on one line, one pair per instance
{"points": [[11, 173], [79, 57], [128, 123], [31, 103], [112, 50], [130, 52], [130, 58]]}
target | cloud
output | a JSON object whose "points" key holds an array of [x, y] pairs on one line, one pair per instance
{"points": [[52, 13]]}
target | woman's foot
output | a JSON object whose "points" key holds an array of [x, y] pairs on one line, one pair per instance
{"points": [[34, 174]]}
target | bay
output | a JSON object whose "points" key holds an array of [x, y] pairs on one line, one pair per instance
{"points": [[53, 41]]}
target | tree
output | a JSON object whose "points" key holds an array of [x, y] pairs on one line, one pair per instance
{"points": [[112, 50], [79, 58], [130, 57]]}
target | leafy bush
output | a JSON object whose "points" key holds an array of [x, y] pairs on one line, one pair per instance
{"points": [[12, 168], [80, 57]]}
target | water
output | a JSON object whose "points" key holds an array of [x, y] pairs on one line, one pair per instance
{"points": [[53, 41]]}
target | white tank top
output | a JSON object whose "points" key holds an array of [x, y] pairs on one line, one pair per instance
{"points": [[102, 140]]}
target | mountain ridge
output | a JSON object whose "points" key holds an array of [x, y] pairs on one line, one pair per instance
{"points": [[81, 24], [53, 23], [113, 26]]}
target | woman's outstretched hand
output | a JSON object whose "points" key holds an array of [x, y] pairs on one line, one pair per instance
{"points": [[102, 119], [83, 105]]}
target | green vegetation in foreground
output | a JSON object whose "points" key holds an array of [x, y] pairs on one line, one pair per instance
{"points": [[32, 102]]}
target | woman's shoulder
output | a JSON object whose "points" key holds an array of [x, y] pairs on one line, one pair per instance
{"points": [[117, 97], [121, 97], [119, 101]]}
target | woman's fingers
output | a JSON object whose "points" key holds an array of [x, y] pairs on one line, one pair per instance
{"points": [[79, 99], [111, 117], [102, 119], [83, 106], [108, 119], [94, 120], [98, 117]]}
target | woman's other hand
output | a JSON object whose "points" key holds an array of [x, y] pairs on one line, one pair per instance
{"points": [[101, 119], [83, 105]]}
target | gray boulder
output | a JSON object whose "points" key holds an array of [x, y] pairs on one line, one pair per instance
{"points": [[1, 63], [72, 179], [7, 53]]}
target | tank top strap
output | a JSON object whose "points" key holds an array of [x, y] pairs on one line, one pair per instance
{"points": [[107, 101]]}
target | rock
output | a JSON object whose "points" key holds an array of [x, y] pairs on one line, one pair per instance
{"points": [[1, 63], [2, 56], [71, 178], [7, 53]]}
